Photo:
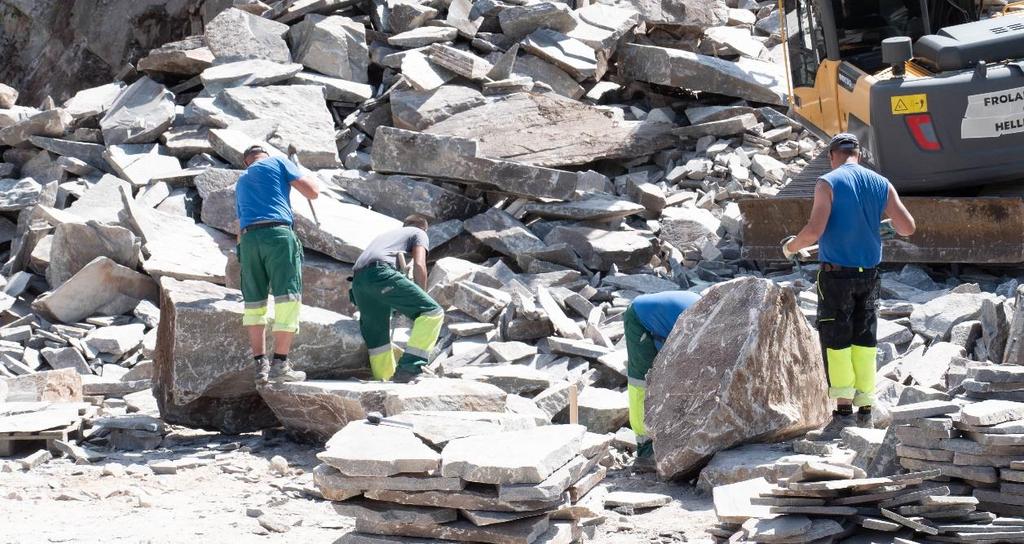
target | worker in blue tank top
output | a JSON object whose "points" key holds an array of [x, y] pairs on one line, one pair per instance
{"points": [[849, 204], [647, 323]]}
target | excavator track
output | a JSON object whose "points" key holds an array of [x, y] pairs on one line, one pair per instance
{"points": [[985, 229]]}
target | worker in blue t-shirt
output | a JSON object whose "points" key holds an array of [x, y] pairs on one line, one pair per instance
{"points": [[849, 203], [647, 323], [271, 257]]}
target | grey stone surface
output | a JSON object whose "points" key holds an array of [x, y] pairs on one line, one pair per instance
{"points": [[334, 46], [520, 21], [603, 410], [48, 386], [141, 163], [115, 340], [252, 72], [52, 123], [363, 449], [335, 88], [936, 318], [437, 428], [139, 114], [18, 194], [749, 79], [551, 130], [418, 110], [303, 118], [428, 155], [526, 457], [328, 478], [317, 409], [401, 196], [445, 394], [600, 248], [237, 35], [593, 209], [991, 412], [569, 54], [500, 231], [60, 358], [423, 36], [718, 349], [204, 376], [543, 71], [102, 287]]}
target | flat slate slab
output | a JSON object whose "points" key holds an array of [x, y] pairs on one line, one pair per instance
{"points": [[992, 412], [326, 476], [997, 373], [524, 531], [363, 449], [446, 394], [927, 408], [472, 498], [635, 500], [520, 457]]}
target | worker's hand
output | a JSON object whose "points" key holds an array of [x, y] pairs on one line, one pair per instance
{"points": [[789, 254]]}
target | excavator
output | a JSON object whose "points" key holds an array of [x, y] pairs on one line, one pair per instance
{"points": [[935, 94]]}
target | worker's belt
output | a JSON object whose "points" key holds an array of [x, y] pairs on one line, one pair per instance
{"points": [[829, 267], [372, 266], [258, 226]]}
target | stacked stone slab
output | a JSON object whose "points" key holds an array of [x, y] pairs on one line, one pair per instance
{"points": [[828, 502], [487, 485]]}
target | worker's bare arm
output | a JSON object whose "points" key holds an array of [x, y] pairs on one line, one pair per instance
{"points": [[902, 221], [307, 186], [820, 211], [419, 266]]}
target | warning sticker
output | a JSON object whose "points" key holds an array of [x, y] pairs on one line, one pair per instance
{"points": [[909, 103], [994, 114]]}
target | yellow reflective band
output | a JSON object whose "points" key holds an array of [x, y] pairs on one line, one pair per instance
{"points": [[424, 333], [382, 364], [864, 365], [252, 317], [286, 316], [636, 409]]}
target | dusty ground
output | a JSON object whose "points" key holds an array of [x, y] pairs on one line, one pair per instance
{"points": [[63, 502]]}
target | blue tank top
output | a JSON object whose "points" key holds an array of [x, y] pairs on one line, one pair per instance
{"points": [[658, 312], [852, 236]]}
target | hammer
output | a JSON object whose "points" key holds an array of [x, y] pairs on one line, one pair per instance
{"points": [[293, 155]]}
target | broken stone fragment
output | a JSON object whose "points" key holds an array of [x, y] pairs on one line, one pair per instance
{"points": [[335, 89], [237, 35], [8, 96], [252, 72], [750, 79], [140, 163], [116, 340], [445, 394], [18, 194], [459, 62], [519, 457], [542, 71], [102, 287], [91, 102], [182, 59], [409, 15], [500, 231], [334, 46], [61, 358], [139, 114], [422, 74], [420, 154], [75, 245], [303, 118], [317, 409], [569, 54], [48, 386], [418, 110], [719, 128], [603, 410], [400, 196], [367, 450], [600, 248], [519, 21], [423, 36], [53, 123], [204, 375], [733, 328], [551, 130]]}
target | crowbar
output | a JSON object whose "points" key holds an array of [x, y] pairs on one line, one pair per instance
{"points": [[293, 155]]}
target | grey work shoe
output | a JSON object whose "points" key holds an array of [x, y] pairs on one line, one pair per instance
{"points": [[834, 429], [283, 372], [262, 371]]}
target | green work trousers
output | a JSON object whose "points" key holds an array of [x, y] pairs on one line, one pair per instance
{"points": [[271, 261], [640, 354], [378, 290]]}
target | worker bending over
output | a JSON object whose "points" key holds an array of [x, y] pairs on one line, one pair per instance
{"points": [[271, 257], [648, 322], [849, 203], [378, 288]]}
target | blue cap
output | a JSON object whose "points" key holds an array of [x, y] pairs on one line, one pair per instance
{"points": [[843, 140]]}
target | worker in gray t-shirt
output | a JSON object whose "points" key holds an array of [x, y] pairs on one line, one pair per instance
{"points": [[378, 288]]}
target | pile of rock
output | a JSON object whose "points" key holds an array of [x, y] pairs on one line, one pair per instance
{"points": [[828, 502], [437, 475]]}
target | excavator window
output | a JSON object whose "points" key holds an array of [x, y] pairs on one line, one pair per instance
{"points": [[806, 41], [861, 26]]}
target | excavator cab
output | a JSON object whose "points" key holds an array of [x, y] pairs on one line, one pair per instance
{"points": [[936, 97], [911, 79]]}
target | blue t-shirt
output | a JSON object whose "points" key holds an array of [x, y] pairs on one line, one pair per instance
{"points": [[658, 312], [852, 237], [261, 195]]}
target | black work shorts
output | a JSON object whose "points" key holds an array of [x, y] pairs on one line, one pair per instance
{"points": [[848, 308]]}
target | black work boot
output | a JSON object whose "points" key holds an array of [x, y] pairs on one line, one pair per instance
{"points": [[840, 421], [406, 374], [864, 419], [644, 461]]}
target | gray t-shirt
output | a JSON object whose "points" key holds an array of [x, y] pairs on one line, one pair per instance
{"points": [[386, 247]]}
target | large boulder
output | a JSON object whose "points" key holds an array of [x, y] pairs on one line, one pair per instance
{"points": [[75, 245], [742, 365], [204, 375]]}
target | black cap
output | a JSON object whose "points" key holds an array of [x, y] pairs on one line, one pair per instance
{"points": [[254, 149], [843, 140]]}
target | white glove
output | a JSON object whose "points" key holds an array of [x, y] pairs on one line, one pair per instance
{"points": [[785, 248]]}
